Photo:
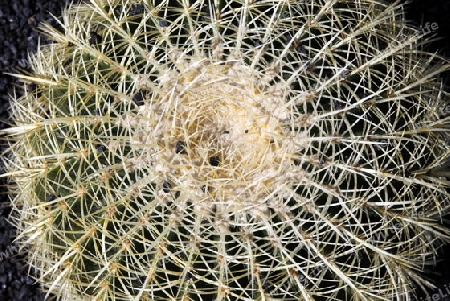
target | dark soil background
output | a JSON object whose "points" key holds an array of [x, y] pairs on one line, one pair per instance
{"points": [[18, 37]]}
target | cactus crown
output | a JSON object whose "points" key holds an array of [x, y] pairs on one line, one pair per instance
{"points": [[232, 150]]}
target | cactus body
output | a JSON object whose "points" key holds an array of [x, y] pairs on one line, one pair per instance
{"points": [[232, 150]]}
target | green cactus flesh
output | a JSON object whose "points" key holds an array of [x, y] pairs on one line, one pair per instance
{"points": [[232, 150]]}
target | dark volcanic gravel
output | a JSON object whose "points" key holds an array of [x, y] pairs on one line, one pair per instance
{"points": [[18, 37]]}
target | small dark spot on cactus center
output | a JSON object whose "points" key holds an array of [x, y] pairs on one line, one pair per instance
{"points": [[214, 161], [163, 23], [180, 147], [138, 98], [136, 9], [226, 132], [272, 141], [95, 38], [166, 187], [246, 131]]}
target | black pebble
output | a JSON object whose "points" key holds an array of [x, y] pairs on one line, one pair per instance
{"points": [[138, 98], [214, 161], [180, 147], [136, 9], [166, 187], [101, 149], [163, 23]]}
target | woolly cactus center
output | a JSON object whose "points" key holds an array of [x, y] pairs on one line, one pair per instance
{"points": [[219, 135]]}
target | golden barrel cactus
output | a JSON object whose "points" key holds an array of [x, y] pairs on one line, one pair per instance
{"points": [[232, 150]]}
